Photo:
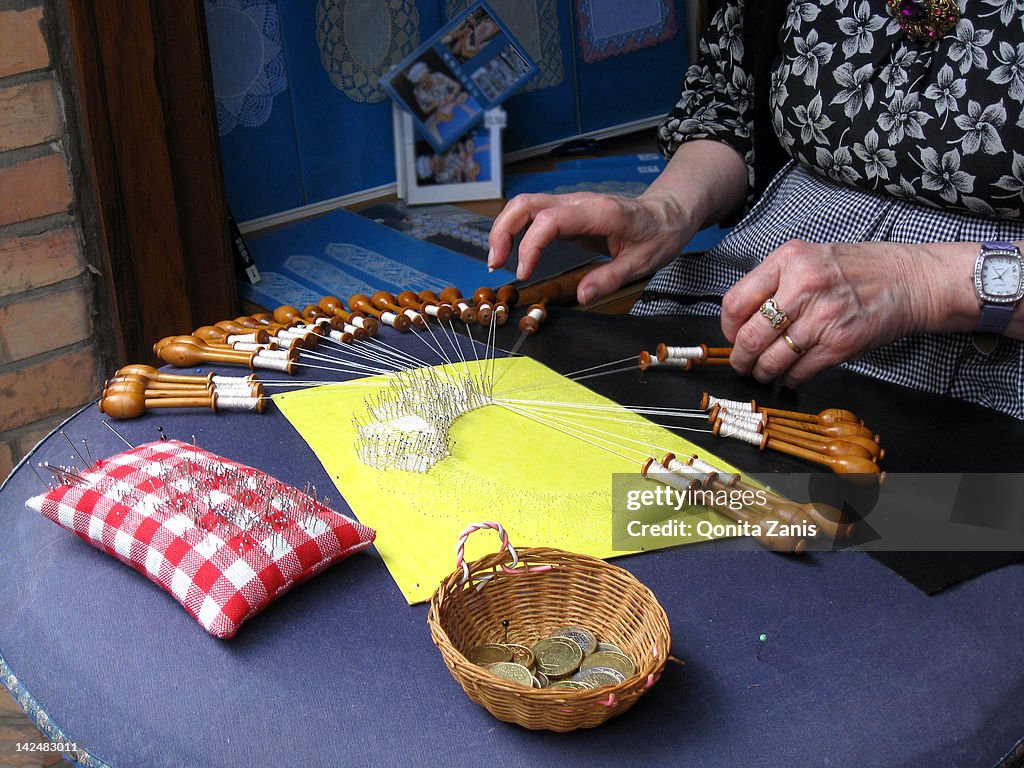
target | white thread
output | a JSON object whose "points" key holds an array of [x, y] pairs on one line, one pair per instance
{"points": [[231, 402], [659, 474], [412, 314], [430, 309], [738, 432], [358, 322], [536, 314], [248, 346], [388, 318], [689, 472], [726, 477], [244, 338], [234, 380], [749, 420], [689, 353], [271, 363], [731, 405]]}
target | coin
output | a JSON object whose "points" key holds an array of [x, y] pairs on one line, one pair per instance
{"points": [[599, 676], [557, 656], [509, 670], [521, 655], [610, 647], [542, 679], [586, 639], [489, 653], [613, 659], [570, 685]]}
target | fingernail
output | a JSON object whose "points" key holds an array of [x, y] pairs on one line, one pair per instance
{"points": [[586, 294], [490, 259], [520, 271], [490, 269]]}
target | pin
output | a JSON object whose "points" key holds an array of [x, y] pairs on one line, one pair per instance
{"points": [[107, 425]]}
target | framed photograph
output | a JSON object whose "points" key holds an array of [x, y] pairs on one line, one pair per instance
{"points": [[469, 169], [469, 66]]}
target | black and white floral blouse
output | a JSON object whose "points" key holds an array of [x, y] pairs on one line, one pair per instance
{"points": [[856, 99]]}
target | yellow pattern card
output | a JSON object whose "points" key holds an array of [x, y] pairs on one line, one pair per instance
{"points": [[546, 478]]}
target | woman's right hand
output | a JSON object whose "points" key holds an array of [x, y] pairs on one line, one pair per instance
{"points": [[704, 181], [639, 234]]}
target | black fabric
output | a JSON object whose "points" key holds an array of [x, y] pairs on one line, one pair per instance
{"points": [[921, 432], [761, 24]]}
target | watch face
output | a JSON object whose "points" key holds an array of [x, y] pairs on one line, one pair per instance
{"points": [[1001, 276]]}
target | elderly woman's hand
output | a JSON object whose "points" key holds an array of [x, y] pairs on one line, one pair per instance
{"points": [[640, 235], [705, 181], [842, 300]]}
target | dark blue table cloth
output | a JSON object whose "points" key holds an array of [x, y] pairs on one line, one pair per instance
{"points": [[826, 660]]}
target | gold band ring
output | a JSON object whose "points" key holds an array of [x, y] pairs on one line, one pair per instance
{"points": [[776, 315], [792, 344]]}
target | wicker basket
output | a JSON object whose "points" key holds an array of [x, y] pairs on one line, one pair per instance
{"points": [[541, 591]]}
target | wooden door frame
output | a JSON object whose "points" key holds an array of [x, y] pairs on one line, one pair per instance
{"points": [[146, 162]]}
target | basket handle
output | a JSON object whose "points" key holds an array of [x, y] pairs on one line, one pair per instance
{"points": [[506, 546]]}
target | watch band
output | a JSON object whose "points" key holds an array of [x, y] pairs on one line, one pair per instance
{"points": [[994, 318]]}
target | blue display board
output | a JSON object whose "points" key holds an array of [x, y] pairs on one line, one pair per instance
{"points": [[341, 253], [303, 117]]}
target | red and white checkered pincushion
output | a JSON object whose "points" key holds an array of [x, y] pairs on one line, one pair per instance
{"points": [[224, 539]]}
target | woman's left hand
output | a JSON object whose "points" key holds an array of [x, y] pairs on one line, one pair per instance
{"points": [[841, 300]]}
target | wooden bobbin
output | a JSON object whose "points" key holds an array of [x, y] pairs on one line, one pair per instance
{"points": [[829, 520], [856, 470], [315, 315], [645, 360], [840, 429], [131, 382], [440, 312], [129, 405], [335, 306], [827, 416], [813, 441], [708, 401], [463, 309], [508, 296], [188, 351], [159, 378], [385, 301], [485, 300], [785, 544], [535, 315], [754, 420], [361, 302]]}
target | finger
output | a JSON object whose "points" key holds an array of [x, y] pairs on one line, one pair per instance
{"points": [[573, 216], [807, 366], [604, 279], [747, 295], [756, 335], [514, 217], [777, 359]]}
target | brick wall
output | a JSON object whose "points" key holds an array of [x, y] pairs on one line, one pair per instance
{"points": [[49, 351]]}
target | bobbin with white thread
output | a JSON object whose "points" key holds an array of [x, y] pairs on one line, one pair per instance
{"points": [[666, 353], [717, 412], [708, 401], [652, 470], [688, 471], [534, 316], [342, 337], [645, 360], [272, 363], [727, 478], [229, 402], [723, 429]]}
